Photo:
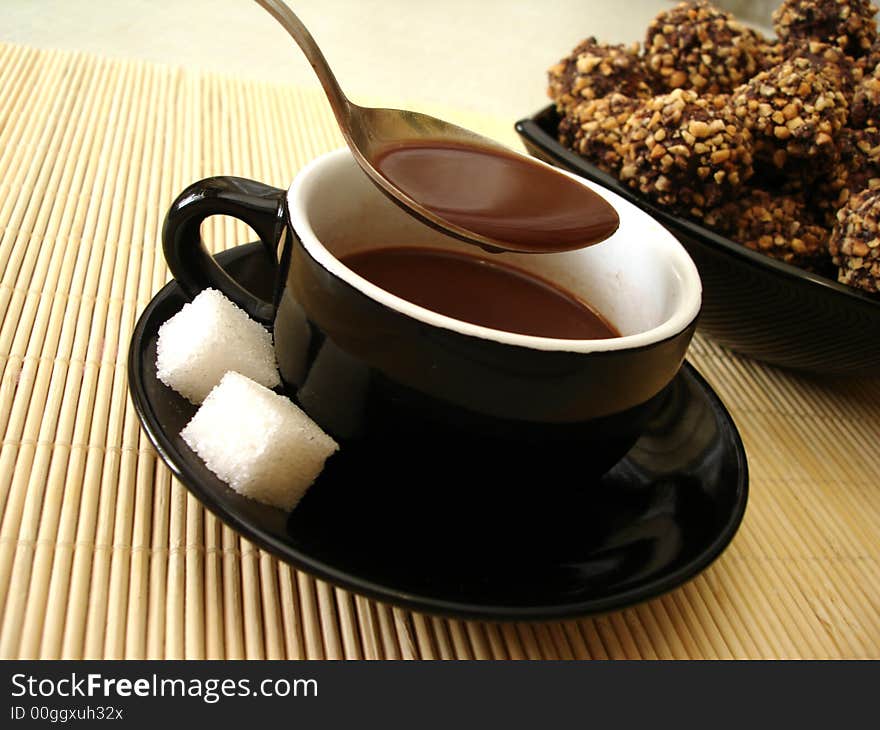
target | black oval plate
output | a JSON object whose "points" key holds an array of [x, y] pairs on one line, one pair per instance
{"points": [[657, 519], [760, 307]]}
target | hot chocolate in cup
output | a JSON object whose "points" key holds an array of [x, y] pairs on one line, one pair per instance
{"points": [[431, 391]]}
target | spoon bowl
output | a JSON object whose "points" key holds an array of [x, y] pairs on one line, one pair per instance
{"points": [[375, 130], [554, 212]]}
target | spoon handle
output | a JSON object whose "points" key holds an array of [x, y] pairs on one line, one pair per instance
{"points": [[340, 104]]}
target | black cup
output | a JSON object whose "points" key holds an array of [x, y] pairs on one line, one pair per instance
{"points": [[433, 393]]}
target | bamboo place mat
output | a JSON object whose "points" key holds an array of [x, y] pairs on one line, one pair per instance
{"points": [[103, 554]]}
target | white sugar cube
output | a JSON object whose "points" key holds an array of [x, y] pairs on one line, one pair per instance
{"points": [[208, 337], [258, 442]]}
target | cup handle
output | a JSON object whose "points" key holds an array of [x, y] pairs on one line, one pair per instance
{"points": [[254, 203]]}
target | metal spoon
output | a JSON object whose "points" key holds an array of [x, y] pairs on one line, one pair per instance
{"points": [[371, 131]]}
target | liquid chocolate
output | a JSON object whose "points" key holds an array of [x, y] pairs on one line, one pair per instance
{"points": [[481, 291], [503, 196]]}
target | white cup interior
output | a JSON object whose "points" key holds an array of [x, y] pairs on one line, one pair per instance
{"points": [[640, 279]]}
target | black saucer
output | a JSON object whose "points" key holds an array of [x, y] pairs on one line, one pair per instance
{"points": [[521, 551]]}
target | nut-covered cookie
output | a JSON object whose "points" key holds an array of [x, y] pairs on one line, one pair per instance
{"points": [[869, 61], [594, 128], [839, 68], [855, 241], [848, 24], [865, 108], [686, 151], [776, 225], [694, 45], [858, 168], [860, 153], [593, 70], [772, 53], [794, 112]]}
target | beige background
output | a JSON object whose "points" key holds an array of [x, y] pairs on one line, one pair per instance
{"points": [[487, 56]]}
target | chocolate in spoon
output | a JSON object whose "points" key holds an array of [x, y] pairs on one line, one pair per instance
{"points": [[455, 180]]}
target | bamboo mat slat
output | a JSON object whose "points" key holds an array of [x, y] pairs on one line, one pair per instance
{"points": [[104, 555]]}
